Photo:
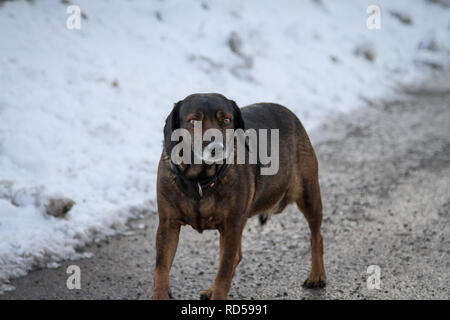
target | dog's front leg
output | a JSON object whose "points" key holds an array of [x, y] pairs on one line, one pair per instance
{"points": [[166, 247], [230, 246]]}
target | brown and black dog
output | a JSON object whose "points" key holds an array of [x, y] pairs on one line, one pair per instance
{"points": [[224, 196]]}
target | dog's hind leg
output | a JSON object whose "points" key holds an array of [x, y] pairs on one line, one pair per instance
{"points": [[310, 203]]}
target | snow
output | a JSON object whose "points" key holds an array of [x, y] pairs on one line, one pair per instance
{"points": [[82, 111]]}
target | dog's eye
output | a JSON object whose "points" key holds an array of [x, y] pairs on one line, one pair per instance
{"points": [[193, 121], [226, 121]]}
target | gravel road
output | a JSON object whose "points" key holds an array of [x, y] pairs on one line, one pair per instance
{"points": [[385, 179]]}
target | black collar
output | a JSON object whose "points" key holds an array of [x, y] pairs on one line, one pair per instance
{"points": [[198, 188]]}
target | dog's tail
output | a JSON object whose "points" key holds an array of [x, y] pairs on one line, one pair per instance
{"points": [[263, 218]]}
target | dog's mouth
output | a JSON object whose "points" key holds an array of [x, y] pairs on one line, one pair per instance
{"points": [[200, 172], [206, 163], [213, 153]]}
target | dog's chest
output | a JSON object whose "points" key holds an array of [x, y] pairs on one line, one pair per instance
{"points": [[204, 214]]}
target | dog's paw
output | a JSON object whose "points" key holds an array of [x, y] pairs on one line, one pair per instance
{"points": [[206, 295], [315, 282], [163, 295]]}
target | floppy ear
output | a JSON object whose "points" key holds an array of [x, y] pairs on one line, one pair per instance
{"points": [[238, 120], [172, 123]]}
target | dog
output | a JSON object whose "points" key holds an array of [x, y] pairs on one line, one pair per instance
{"points": [[224, 196]]}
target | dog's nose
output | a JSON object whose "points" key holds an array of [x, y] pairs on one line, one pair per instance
{"points": [[214, 151]]}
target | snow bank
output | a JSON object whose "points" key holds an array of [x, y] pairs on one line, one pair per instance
{"points": [[82, 111]]}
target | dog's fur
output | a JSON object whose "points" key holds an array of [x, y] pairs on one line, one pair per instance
{"points": [[241, 192]]}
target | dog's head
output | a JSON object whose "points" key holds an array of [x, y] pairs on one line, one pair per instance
{"points": [[211, 111]]}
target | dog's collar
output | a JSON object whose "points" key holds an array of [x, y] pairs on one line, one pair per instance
{"points": [[202, 188]]}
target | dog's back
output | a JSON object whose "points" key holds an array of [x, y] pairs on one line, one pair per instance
{"points": [[297, 161]]}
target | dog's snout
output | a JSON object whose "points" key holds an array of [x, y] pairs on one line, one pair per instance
{"points": [[213, 151]]}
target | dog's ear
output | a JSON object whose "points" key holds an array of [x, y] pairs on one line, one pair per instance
{"points": [[172, 123], [238, 120]]}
